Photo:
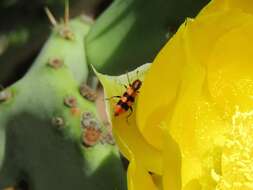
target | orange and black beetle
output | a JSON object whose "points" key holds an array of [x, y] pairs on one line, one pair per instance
{"points": [[127, 99]]}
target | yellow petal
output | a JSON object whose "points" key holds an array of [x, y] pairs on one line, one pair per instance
{"points": [[172, 162], [213, 7], [202, 33], [230, 71], [127, 134], [207, 99], [130, 140], [231, 85], [190, 45], [198, 129], [223, 5], [158, 181], [244, 5], [139, 178], [160, 88]]}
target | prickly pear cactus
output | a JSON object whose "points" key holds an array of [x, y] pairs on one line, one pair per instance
{"points": [[50, 134]]}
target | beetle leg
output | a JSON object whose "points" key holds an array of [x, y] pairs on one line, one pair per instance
{"points": [[131, 109], [113, 97]]}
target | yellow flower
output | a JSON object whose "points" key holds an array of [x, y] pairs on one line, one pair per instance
{"points": [[192, 126], [143, 157], [207, 70]]}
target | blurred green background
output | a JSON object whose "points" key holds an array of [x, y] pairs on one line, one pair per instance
{"points": [[125, 36], [24, 27]]}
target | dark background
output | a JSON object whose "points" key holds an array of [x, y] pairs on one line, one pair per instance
{"points": [[24, 27]]}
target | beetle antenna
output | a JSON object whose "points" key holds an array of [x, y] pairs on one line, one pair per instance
{"points": [[137, 73], [128, 79]]}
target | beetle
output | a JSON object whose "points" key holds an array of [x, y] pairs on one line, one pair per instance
{"points": [[126, 101]]}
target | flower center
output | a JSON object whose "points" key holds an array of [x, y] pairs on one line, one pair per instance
{"points": [[237, 155]]}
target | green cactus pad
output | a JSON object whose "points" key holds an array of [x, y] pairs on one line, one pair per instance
{"points": [[41, 131]]}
